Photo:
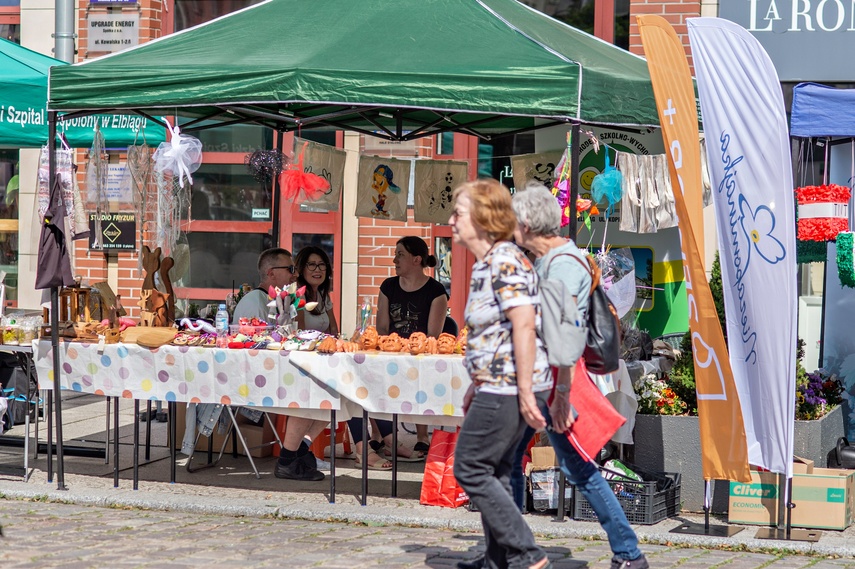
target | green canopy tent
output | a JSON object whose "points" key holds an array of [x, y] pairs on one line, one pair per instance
{"points": [[407, 68], [398, 70], [23, 107]]}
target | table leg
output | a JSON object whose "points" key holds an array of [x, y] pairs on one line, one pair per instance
{"points": [[137, 444], [365, 440], [395, 455], [173, 432], [39, 407], [107, 437], [115, 442], [50, 437], [148, 431], [333, 426]]}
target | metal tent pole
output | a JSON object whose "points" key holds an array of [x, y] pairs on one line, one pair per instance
{"points": [[274, 198], [575, 134], [54, 323]]}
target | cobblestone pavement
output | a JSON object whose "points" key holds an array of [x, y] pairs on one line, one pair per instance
{"points": [[43, 534]]}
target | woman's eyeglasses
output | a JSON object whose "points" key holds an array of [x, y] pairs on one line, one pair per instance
{"points": [[316, 266]]}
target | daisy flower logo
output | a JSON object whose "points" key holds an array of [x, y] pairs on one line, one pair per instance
{"points": [[758, 225]]}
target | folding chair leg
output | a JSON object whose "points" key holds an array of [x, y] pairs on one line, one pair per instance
{"points": [[242, 440]]}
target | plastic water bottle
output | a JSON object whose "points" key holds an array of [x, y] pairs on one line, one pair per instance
{"points": [[222, 324]]}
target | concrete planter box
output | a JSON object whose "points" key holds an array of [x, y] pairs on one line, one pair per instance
{"points": [[672, 444]]}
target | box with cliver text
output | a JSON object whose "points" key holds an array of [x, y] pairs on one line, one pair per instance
{"points": [[824, 499]]}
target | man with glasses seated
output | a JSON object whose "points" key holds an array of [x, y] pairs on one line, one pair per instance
{"points": [[276, 268]]}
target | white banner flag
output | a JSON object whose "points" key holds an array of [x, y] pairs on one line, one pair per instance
{"points": [[748, 150]]}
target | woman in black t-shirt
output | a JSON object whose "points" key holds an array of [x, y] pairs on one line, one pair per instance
{"points": [[409, 302], [412, 301]]}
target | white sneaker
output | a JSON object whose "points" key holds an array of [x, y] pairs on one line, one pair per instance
{"points": [[323, 465]]}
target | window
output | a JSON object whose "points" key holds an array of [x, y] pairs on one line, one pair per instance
{"points": [[227, 192], [10, 20], [9, 189], [189, 13]]}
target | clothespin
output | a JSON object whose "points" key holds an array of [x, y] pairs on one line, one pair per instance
{"points": [[594, 140]]}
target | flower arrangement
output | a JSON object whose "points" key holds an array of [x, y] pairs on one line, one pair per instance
{"points": [[817, 394], [656, 397]]}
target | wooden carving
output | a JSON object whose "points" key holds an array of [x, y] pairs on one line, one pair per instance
{"points": [[165, 266], [151, 263]]}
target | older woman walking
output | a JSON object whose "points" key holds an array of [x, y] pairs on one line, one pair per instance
{"points": [[538, 225], [508, 367]]}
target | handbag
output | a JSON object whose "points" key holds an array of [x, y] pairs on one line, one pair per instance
{"points": [[596, 420], [842, 456], [439, 487], [561, 331], [602, 349]]}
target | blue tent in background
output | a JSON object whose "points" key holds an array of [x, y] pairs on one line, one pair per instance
{"points": [[820, 110]]}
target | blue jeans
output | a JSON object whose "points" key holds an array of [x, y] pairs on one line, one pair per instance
{"points": [[482, 465], [585, 476], [517, 475]]}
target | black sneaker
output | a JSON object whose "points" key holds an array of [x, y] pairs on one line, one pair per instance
{"points": [[298, 469], [640, 563]]}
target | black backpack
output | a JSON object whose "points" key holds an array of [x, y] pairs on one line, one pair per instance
{"points": [[602, 350]]}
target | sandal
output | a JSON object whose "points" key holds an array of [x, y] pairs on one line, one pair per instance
{"points": [[414, 456], [379, 463], [423, 447]]}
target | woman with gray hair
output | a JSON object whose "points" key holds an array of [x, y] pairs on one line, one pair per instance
{"points": [[558, 258]]}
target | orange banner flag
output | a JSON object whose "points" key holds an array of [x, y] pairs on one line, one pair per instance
{"points": [[724, 450]]}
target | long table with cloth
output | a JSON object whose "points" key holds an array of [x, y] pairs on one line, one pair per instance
{"points": [[418, 389]]}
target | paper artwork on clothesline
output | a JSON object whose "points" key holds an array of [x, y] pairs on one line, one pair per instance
{"points": [[435, 180], [382, 187], [540, 167], [647, 202], [328, 163]]}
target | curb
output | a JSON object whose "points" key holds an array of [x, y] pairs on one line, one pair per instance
{"points": [[542, 526]]}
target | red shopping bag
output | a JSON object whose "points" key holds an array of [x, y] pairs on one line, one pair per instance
{"points": [[439, 487], [597, 420]]}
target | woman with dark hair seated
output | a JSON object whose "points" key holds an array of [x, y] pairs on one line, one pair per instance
{"points": [[410, 302]]}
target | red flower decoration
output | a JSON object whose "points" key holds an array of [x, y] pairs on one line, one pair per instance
{"points": [[825, 228]]}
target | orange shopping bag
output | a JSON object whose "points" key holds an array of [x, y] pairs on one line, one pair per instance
{"points": [[439, 487]]}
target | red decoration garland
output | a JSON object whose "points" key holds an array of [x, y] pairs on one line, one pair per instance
{"points": [[822, 228]]}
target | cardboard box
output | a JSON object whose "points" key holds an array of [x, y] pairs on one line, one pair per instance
{"points": [[824, 499], [255, 436], [802, 465], [542, 458]]}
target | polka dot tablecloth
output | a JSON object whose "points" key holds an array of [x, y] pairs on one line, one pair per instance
{"points": [[392, 383], [184, 373]]}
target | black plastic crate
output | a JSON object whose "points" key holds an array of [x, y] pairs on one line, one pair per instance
{"points": [[544, 484], [645, 503]]}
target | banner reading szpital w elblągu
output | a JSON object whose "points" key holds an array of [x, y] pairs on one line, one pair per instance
{"points": [[748, 151]]}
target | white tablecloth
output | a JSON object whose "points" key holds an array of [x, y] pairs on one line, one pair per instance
{"points": [[254, 378], [420, 389]]}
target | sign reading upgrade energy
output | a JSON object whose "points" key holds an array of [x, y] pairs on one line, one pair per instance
{"points": [[113, 32]]}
